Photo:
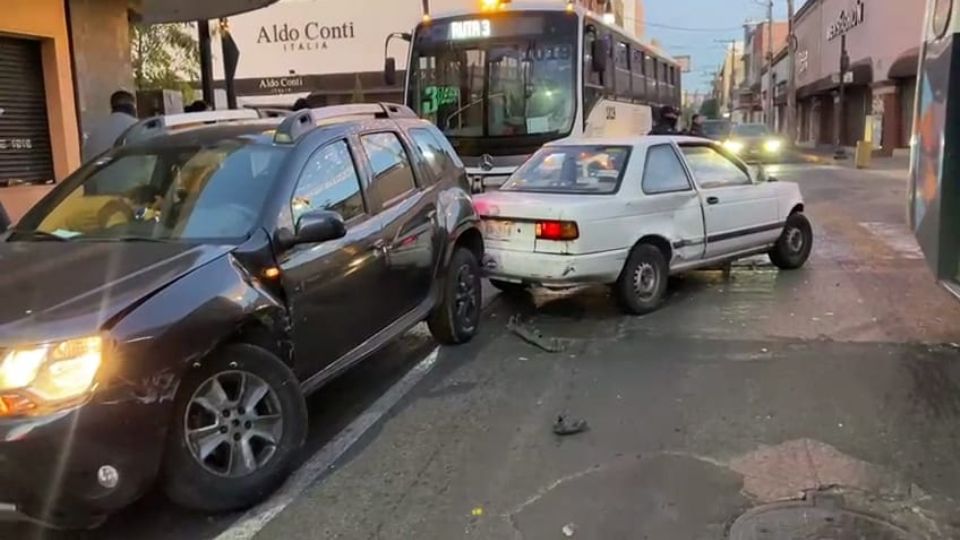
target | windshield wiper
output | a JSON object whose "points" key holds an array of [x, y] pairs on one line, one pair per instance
{"points": [[148, 239], [37, 235]]}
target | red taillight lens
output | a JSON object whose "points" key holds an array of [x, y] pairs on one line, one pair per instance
{"points": [[557, 230]]}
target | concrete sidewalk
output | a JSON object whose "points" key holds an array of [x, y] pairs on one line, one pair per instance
{"points": [[825, 155]]}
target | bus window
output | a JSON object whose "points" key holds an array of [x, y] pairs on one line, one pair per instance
{"points": [[639, 81], [622, 78]]}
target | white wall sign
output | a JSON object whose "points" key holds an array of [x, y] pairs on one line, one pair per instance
{"points": [[849, 19]]}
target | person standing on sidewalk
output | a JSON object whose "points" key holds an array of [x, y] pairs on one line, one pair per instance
{"points": [[696, 126], [123, 114], [666, 121]]}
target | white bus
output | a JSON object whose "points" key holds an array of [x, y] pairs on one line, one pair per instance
{"points": [[500, 82]]}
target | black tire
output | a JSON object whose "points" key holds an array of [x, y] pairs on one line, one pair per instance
{"points": [[194, 485], [456, 318], [508, 287], [795, 243], [643, 281]]}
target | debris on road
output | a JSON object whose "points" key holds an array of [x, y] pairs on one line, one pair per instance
{"points": [[533, 336], [477, 512], [569, 530], [564, 427]]}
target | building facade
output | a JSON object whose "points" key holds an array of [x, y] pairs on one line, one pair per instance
{"points": [[751, 106], [728, 80], [59, 62], [882, 41]]}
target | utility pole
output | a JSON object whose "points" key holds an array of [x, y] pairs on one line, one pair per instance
{"points": [[792, 45], [840, 116], [770, 81]]}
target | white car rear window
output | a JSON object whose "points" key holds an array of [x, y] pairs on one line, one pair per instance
{"points": [[572, 169]]}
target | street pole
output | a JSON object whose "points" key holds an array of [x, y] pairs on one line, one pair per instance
{"points": [[792, 45], [838, 125], [206, 62], [770, 82]]}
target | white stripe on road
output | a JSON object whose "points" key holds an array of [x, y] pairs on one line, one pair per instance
{"points": [[258, 517], [896, 237]]}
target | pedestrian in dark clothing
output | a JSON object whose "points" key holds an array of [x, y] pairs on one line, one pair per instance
{"points": [[197, 106], [696, 127], [666, 121], [123, 114]]}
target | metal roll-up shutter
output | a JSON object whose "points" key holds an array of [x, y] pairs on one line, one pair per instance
{"points": [[25, 155]]}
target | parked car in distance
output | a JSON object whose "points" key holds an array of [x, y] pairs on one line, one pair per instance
{"points": [[717, 130], [754, 143], [167, 307], [631, 211]]}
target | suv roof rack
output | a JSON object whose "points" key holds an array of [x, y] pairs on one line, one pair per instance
{"points": [[301, 122], [157, 125]]}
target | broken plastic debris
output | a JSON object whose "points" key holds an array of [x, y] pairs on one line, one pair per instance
{"points": [[477, 512], [764, 350], [569, 427], [569, 530], [533, 336], [523, 359]]}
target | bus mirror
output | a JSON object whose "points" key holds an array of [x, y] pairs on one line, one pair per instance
{"points": [[390, 71], [599, 52]]}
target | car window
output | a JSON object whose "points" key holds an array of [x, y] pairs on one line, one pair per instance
{"points": [[433, 151], [329, 182], [572, 169], [663, 171], [750, 130], [392, 173], [187, 193], [712, 169]]}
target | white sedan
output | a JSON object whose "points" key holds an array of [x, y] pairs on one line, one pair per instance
{"points": [[632, 211]]}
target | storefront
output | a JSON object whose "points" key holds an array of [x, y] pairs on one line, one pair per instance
{"points": [[881, 82]]}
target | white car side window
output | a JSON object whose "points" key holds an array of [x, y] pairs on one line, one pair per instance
{"points": [[663, 172], [711, 169]]}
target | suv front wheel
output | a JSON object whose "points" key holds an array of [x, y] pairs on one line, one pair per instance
{"points": [[457, 316], [238, 422]]}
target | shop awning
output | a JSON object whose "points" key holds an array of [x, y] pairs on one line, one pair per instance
{"points": [[905, 66], [165, 11], [862, 73]]}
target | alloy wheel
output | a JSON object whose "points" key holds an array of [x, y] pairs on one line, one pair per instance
{"points": [[233, 424], [465, 300]]}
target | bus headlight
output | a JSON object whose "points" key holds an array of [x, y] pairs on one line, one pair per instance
{"points": [[773, 145], [734, 146]]}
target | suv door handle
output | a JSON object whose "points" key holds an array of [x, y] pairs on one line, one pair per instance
{"points": [[713, 200]]}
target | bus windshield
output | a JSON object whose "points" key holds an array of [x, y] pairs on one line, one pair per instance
{"points": [[504, 76]]}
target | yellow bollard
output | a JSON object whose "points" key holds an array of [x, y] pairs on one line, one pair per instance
{"points": [[864, 153]]}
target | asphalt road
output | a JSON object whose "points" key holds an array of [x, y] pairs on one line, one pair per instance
{"points": [[841, 377]]}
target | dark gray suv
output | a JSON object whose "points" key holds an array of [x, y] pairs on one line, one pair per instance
{"points": [[167, 307]]}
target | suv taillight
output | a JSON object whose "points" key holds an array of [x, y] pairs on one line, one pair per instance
{"points": [[557, 230]]}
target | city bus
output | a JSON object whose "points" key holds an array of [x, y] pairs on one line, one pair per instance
{"points": [[502, 81], [934, 192]]}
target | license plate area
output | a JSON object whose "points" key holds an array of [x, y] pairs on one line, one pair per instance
{"points": [[502, 230]]}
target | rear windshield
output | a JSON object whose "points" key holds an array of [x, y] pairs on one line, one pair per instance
{"points": [[750, 130], [572, 169]]}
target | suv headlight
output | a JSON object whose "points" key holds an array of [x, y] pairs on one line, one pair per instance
{"points": [[51, 373], [773, 145]]}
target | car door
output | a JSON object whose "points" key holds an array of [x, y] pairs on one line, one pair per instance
{"points": [[668, 190], [408, 214], [333, 286], [738, 214]]}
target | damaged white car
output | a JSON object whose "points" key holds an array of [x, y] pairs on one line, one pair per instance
{"points": [[629, 212]]}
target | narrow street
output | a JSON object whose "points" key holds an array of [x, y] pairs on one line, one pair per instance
{"points": [[840, 378]]}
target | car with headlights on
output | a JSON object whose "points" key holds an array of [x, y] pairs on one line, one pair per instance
{"points": [[167, 307], [754, 143], [629, 212]]}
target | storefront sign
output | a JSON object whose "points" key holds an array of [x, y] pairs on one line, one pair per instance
{"points": [[280, 85], [311, 36], [849, 19], [803, 61], [16, 144]]}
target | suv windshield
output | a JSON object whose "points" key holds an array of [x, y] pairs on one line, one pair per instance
{"points": [[179, 193], [515, 77], [750, 130], [572, 169], [716, 128]]}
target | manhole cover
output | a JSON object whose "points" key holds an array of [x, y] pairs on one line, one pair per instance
{"points": [[816, 520]]}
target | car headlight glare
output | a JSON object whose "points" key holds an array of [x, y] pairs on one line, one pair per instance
{"points": [[773, 145], [52, 372], [734, 146]]}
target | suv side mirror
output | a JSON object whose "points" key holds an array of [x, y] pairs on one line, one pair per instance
{"points": [[599, 52], [319, 226], [4, 219], [390, 71]]}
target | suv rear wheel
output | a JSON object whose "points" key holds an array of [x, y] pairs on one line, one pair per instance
{"points": [[238, 423], [457, 316]]}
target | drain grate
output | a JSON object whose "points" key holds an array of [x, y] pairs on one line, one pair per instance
{"points": [[821, 518]]}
